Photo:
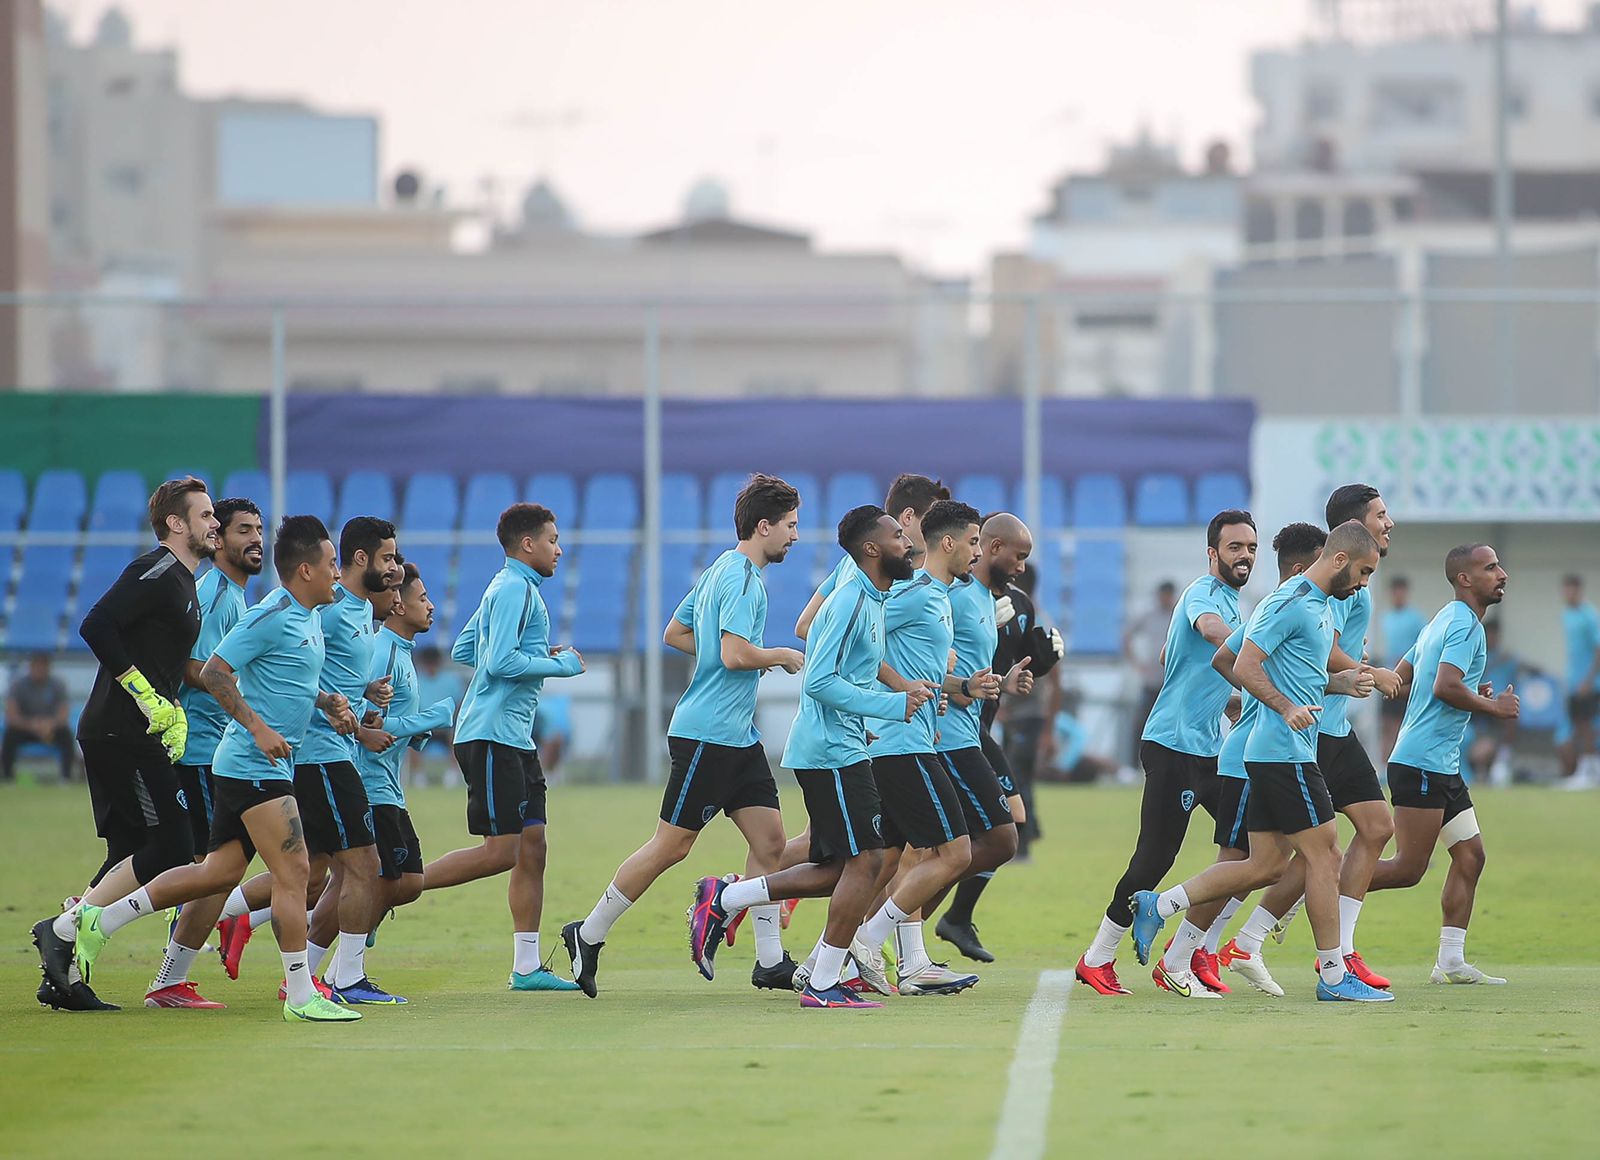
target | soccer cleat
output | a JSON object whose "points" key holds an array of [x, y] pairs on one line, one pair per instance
{"points": [[1181, 983], [964, 937], [1357, 966], [364, 990], [1203, 966], [1251, 968], [786, 911], [869, 961], [732, 929], [542, 979], [1146, 923], [585, 957], [77, 997], [234, 934], [802, 977], [171, 915], [1103, 979], [836, 997], [55, 955], [1350, 990], [318, 1010], [91, 940], [181, 995], [1280, 929], [1465, 974], [320, 986], [778, 977], [707, 922], [935, 979]]}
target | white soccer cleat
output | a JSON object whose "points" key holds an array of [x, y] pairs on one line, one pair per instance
{"points": [[869, 961], [1466, 974], [1181, 983], [935, 979], [1251, 968], [1280, 929]]}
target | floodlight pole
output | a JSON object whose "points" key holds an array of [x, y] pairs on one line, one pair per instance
{"points": [[652, 545], [1032, 423], [1503, 210], [278, 426]]}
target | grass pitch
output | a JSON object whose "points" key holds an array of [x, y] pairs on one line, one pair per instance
{"points": [[665, 1064]]}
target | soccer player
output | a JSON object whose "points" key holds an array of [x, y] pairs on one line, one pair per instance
{"points": [[1182, 736], [1431, 802], [265, 674], [1400, 625], [132, 729], [827, 749], [1028, 719], [507, 641], [222, 602], [1581, 625], [718, 762], [1283, 663]]}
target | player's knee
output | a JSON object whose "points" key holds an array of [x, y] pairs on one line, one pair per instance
{"points": [[1410, 872], [1469, 856], [956, 857], [1377, 832], [408, 889], [872, 861], [532, 850], [1002, 841], [674, 845]]}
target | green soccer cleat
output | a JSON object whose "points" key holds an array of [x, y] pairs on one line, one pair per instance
{"points": [[319, 1010], [91, 941], [541, 980]]}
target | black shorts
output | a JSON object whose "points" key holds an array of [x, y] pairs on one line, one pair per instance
{"points": [[845, 811], [998, 761], [1233, 801], [134, 789], [1286, 797], [983, 799], [399, 852], [1348, 771], [707, 779], [333, 807], [1192, 779], [1418, 789], [921, 807], [195, 781], [231, 798], [505, 787], [1393, 708], [1583, 706]]}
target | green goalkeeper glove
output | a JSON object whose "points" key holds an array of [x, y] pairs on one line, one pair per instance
{"points": [[160, 712]]}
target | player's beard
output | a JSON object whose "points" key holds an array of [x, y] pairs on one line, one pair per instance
{"points": [[1344, 583], [1231, 574], [242, 561], [899, 569], [200, 545], [372, 579], [777, 555]]}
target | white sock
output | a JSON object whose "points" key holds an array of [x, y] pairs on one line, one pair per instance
{"points": [[120, 913], [349, 960], [66, 923], [1349, 912], [1184, 944], [908, 946], [830, 961], [1330, 965], [525, 958], [261, 918], [811, 959], [877, 928], [1214, 936], [314, 957], [236, 905], [736, 896], [297, 978], [1255, 930], [175, 965], [1104, 948], [603, 917], [1452, 947], [769, 934], [1172, 902]]}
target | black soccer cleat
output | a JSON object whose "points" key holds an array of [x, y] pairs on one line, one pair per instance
{"points": [[585, 957], [55, 955], [77, 997], [964, 937], [778, 977]]}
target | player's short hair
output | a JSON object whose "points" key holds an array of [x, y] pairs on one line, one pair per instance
{"points": [[765, 497], [1298, 544], [409, 575], [1351, 538], [226, 509], [299, 541], [1573, 579], [1400, 581], [1224, 519], [1458, 559], [519, 520], [1349, 503], [948, 517], [363, 534], [172, 499], [917, 492], [856, 528]]}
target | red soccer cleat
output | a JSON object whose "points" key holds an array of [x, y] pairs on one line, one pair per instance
{"points": [[181, 995], [322, 989], [235, 933], [1203, 965], [732, 929], [1102, 979], [786, 911], [1357, 966]]}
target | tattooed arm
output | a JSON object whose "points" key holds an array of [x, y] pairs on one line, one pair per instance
{"points": [[220, 681]]}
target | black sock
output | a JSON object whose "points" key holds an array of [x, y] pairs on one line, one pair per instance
{"points": [[968, 891]]}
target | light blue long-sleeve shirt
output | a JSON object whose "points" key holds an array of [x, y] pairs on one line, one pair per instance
{"points": [[405, 717]]}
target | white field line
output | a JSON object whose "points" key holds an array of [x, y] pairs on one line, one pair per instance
{"points": [[1025, 1114]]}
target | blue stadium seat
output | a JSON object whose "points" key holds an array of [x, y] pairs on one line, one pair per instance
{"points": [[556, 593], [475, 568], [1098, 596], [849, 489], [610, 503], [59, 502], [720, 496], [13, 502], [600, 597], [41, 599], [432, 504], [488, 494], [680, 502], [789, 586], [102, 564], [1160, 500], [1052, 503], [984, 492], [559, 493], [1045, 564], [433, 562], [1218, 491], [247, 484], [308, 493], [366, 493], [121, 503], [1098, 501]]}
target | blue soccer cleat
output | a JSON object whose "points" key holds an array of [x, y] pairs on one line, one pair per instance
{"points": [[364, 990], [541, 980], [1146, 923], [1351, 990]]}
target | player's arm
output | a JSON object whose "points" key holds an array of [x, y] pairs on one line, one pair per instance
{"points": [[1450, 686], [679, 636], [826, 685], [1251, 671], [421, 723], [500, 651], [739, 655], [1212, 627], [740, 607], [222, 683], [103, 626], [1222, 661], [465, 649], [802, 627]]}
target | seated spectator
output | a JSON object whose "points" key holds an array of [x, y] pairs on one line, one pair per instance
{"points": [[36, 713], [1066, 747], [552, 730]]}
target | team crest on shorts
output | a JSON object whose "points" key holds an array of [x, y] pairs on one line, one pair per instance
{"points": [[366, 820], [400, 853], [1186, 800], [183, 799], [877, 824], [707, 814]]}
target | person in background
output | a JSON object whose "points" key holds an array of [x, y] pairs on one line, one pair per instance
{"points": [[1400, 626], [1580, 624], [1142, 645], [1025, 716], [1489, 741], [36, 712], [1065, 747], [435, 682], [552, 731]]}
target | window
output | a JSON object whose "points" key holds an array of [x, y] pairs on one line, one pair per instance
{"points": [[1516, 101], [1322, 100], [1358, 218], [1308, 220], [1416, 104], [125, 178], [1260, 223]]}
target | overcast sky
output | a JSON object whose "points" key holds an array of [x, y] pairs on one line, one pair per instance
{"points": [[932, 127]]}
